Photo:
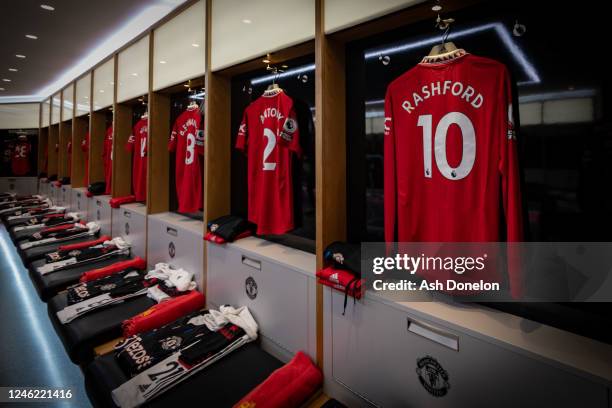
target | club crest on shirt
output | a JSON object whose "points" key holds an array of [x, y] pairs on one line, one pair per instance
{"points": [[432, 376], [75, 252], [338, 257], [214, 227], [172, 342]]}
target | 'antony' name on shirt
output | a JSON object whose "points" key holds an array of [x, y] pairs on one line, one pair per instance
{"points": [[455, 88], [271, 113]]}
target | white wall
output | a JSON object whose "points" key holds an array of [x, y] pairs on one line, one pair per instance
{"points": [[133, 70], [83, 95], [104, 85]]}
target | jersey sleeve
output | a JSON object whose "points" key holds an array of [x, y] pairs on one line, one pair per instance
{"points": [[85, 143], [511, 194], [290, 133], [241, 140], [173, 136], [390, 184], [199, 142]]}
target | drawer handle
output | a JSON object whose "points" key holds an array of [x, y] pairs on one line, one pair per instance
{"points": [[253, 263], [172, 231], [127, 214], [434, 334]]}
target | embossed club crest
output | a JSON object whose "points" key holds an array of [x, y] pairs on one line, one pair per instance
{"points": [[432, 376], [251, 288], [171, 249]]}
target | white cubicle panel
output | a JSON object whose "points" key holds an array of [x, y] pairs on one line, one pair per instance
{"points": [[104, 85], [19, 115], [83, 95], [67, 102], [244, 30], [133, 70], [340, 14], [56, 106]]}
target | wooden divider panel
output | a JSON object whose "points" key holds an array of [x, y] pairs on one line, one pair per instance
{"points": [[53, 141], [79, 132], [122, 159], [97, 132]]}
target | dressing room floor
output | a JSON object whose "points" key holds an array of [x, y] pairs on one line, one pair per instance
{"points": [[31, 354]]}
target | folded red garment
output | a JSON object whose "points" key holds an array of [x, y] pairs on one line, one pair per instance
{"points": [[85, 244], [163, 313], [88, 194], [58, 228], [287, 387], [212, 237], [58, 215], [94, 274], [58, 183], [118, 201], [339, 279]]}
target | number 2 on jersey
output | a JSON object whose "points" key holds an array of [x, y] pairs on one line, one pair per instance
{"points": [[270, 145], [468, 137]]}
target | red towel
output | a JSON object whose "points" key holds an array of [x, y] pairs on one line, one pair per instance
{"points": [[163, 313], [116, 202], [85, 244], [94, 274], [58, 228], [287, 387], [339, 279]]}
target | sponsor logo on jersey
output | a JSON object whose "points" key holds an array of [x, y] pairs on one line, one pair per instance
{"points": [[432, 376]]}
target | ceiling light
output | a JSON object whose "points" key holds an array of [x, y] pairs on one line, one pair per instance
{"points": [[31, 37], [6, 80], [86, 97], [2, 89], [135, 74], [266, 61], [101, 90], [13, 69], [195, 45], [162, 62], [20, 55], [246, 21], [186, 85], [47, 7]]}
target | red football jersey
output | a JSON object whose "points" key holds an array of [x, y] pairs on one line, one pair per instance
{"points": [[107, 158], [270, 136], [137, 145], [85, 149], [20, 164], [187, 140], [450, 154]]}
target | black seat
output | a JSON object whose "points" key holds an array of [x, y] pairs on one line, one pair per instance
{"points": [[220, 385], [32, 254], [81, 335], [52, 283]]}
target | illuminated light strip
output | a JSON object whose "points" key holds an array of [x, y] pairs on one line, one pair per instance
{"points": [[500, 29], [28, 301], [549, 96], [134, 27], [288, 73]]}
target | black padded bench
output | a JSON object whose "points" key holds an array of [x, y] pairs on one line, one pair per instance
{"points": [[220, 385], [52, 283], [97, 327]]}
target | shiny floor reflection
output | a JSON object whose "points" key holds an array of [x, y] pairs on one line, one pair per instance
{"points": [[31, 354]]}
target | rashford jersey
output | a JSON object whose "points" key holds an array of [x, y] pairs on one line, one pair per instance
{"points": [[137, 145], [187, 140], [107, 158], [451, 155], [270, 137], [20, 164], [85, 149]]}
